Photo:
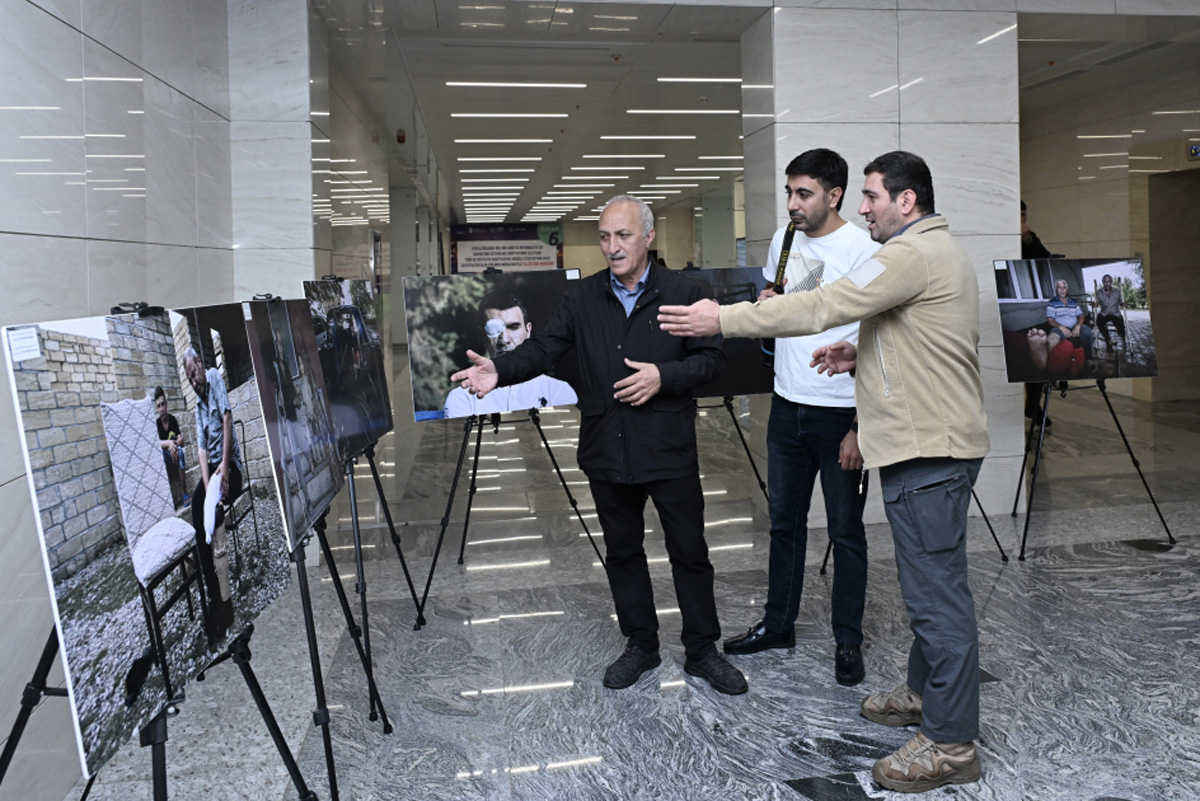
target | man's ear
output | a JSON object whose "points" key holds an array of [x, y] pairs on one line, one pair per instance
{"points": [[650, 236], [907, 201], [834, 196]]}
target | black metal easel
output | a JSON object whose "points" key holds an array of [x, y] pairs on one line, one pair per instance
{"points": [[727, 402], [154, 734], [1040, 425], [355, 632], [31, 696], [477, 422]]}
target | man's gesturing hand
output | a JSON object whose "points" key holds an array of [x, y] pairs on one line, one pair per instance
{"points": [[701, 319], [840, 357], [640, 387], [479, 379]]}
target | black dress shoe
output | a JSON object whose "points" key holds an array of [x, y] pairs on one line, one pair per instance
{"points": [[760, 638], [848, 664], [629, 667], [714, 669]]}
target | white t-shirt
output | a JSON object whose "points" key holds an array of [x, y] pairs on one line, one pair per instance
{"points": [[813, 262], [536, 393]]}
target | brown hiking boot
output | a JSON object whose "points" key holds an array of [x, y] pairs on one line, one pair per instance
{"points": [[900, 707], [921, 764]]}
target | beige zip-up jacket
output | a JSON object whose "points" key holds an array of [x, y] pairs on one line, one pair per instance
{"points": [[917, 384]]}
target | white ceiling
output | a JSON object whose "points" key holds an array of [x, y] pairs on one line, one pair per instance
{"points": [[619, 51]]}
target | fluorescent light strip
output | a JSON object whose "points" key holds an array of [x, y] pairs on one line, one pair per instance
{"points": [[507, 170], [1105, 136], [492, 180], [30, 108], [502, 141], [720, 158], [590, 177], [519, 85], [510, 116], [1180, 111], [609, 168], [682, 111], [626, 156], [498, 158], [650, 137], [668, 186], [699, 80], [708, 169], [583, 186]]}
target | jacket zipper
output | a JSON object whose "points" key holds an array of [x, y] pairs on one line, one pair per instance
{"points": [[887, 386]]}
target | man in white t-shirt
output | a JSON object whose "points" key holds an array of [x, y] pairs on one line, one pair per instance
{"points": [[813, 428], [507, 325]]}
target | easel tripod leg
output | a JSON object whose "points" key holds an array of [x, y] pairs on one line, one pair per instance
{"points": [[472, 489], [1037, 463], [154, 735], [462, 454], [1136, 466], [30, 697], [387, 514], [321, 713], [762, 485], [536, 419]]}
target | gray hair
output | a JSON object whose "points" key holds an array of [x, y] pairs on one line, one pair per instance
{"points": [[644, 210], [190, 355]]}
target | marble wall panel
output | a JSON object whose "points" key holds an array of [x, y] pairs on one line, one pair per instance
{"points": [[1003, 402], [761, 186], [758, 71], [318, 67], [279, 272], [210, 52], [116, 273], [272, 184], [115, 147], [934, 49], [40, 178], [878, 5], [117, 26], [858, 91], [68, 11], [45, 278], [170, 148], [1067, 6], [268, 60], [214, 276], [214, 203], [974, 170], [167, 43], [173, 278]]}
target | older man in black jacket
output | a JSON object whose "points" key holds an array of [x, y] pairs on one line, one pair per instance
{"points": [[637, 438]]}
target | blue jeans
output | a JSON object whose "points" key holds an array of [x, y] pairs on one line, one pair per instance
{"points": [[802, 442], [927, 501]]}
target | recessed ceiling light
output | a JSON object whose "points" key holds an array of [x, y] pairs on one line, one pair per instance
{"points": [[510, 116], [489, 180], [626, 156], [667, 186], [1180, 111], [720, 158], [650, 137], [682, 111], [700, 80], [507, 170], [502, 141], [591, 177], [614, 16], [708, 169], [758, 86], [608, 168], [508, 85], [583, 186], [500, 158], [1105, 136]]}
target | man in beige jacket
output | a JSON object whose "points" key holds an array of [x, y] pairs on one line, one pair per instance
{"points": [[922, 425]]}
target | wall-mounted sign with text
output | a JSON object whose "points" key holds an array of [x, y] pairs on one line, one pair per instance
{"points": [[514, 247]]}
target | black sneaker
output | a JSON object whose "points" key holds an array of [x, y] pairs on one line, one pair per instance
{"points": [[848, 664], [714, 669], [629, 667]]}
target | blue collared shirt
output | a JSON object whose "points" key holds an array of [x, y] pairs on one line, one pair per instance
{"points": [[629, 297]]}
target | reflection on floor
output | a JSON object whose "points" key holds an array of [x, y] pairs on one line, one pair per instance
{"points": [[1088, 647]]}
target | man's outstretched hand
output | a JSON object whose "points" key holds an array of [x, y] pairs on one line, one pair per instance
{"points": [[701, 319], [480, 378], [840, 357], [640, 387]]}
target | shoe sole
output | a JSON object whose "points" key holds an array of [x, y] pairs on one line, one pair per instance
{"points": [[727, 690], [926, 783], [892, 717], [850, 681], [649, 666]]}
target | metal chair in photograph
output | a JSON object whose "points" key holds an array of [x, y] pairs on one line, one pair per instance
{"points": [[160, 543]]}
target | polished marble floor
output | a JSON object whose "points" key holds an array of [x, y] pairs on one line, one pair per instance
{"points": [[1088, 647]]}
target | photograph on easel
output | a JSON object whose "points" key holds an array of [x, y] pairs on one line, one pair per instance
{"points": [[1065, 319], [304, 449], [490, 314], [350, 350], [145, 596], [746, 371]]}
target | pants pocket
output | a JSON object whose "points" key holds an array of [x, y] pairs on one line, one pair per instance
{"points": [[939, 512]]}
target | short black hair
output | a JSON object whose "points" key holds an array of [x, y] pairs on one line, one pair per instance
{"points": [[828, 169], [501, 299], [159, 392], [1023, 205], [903, 170]]}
